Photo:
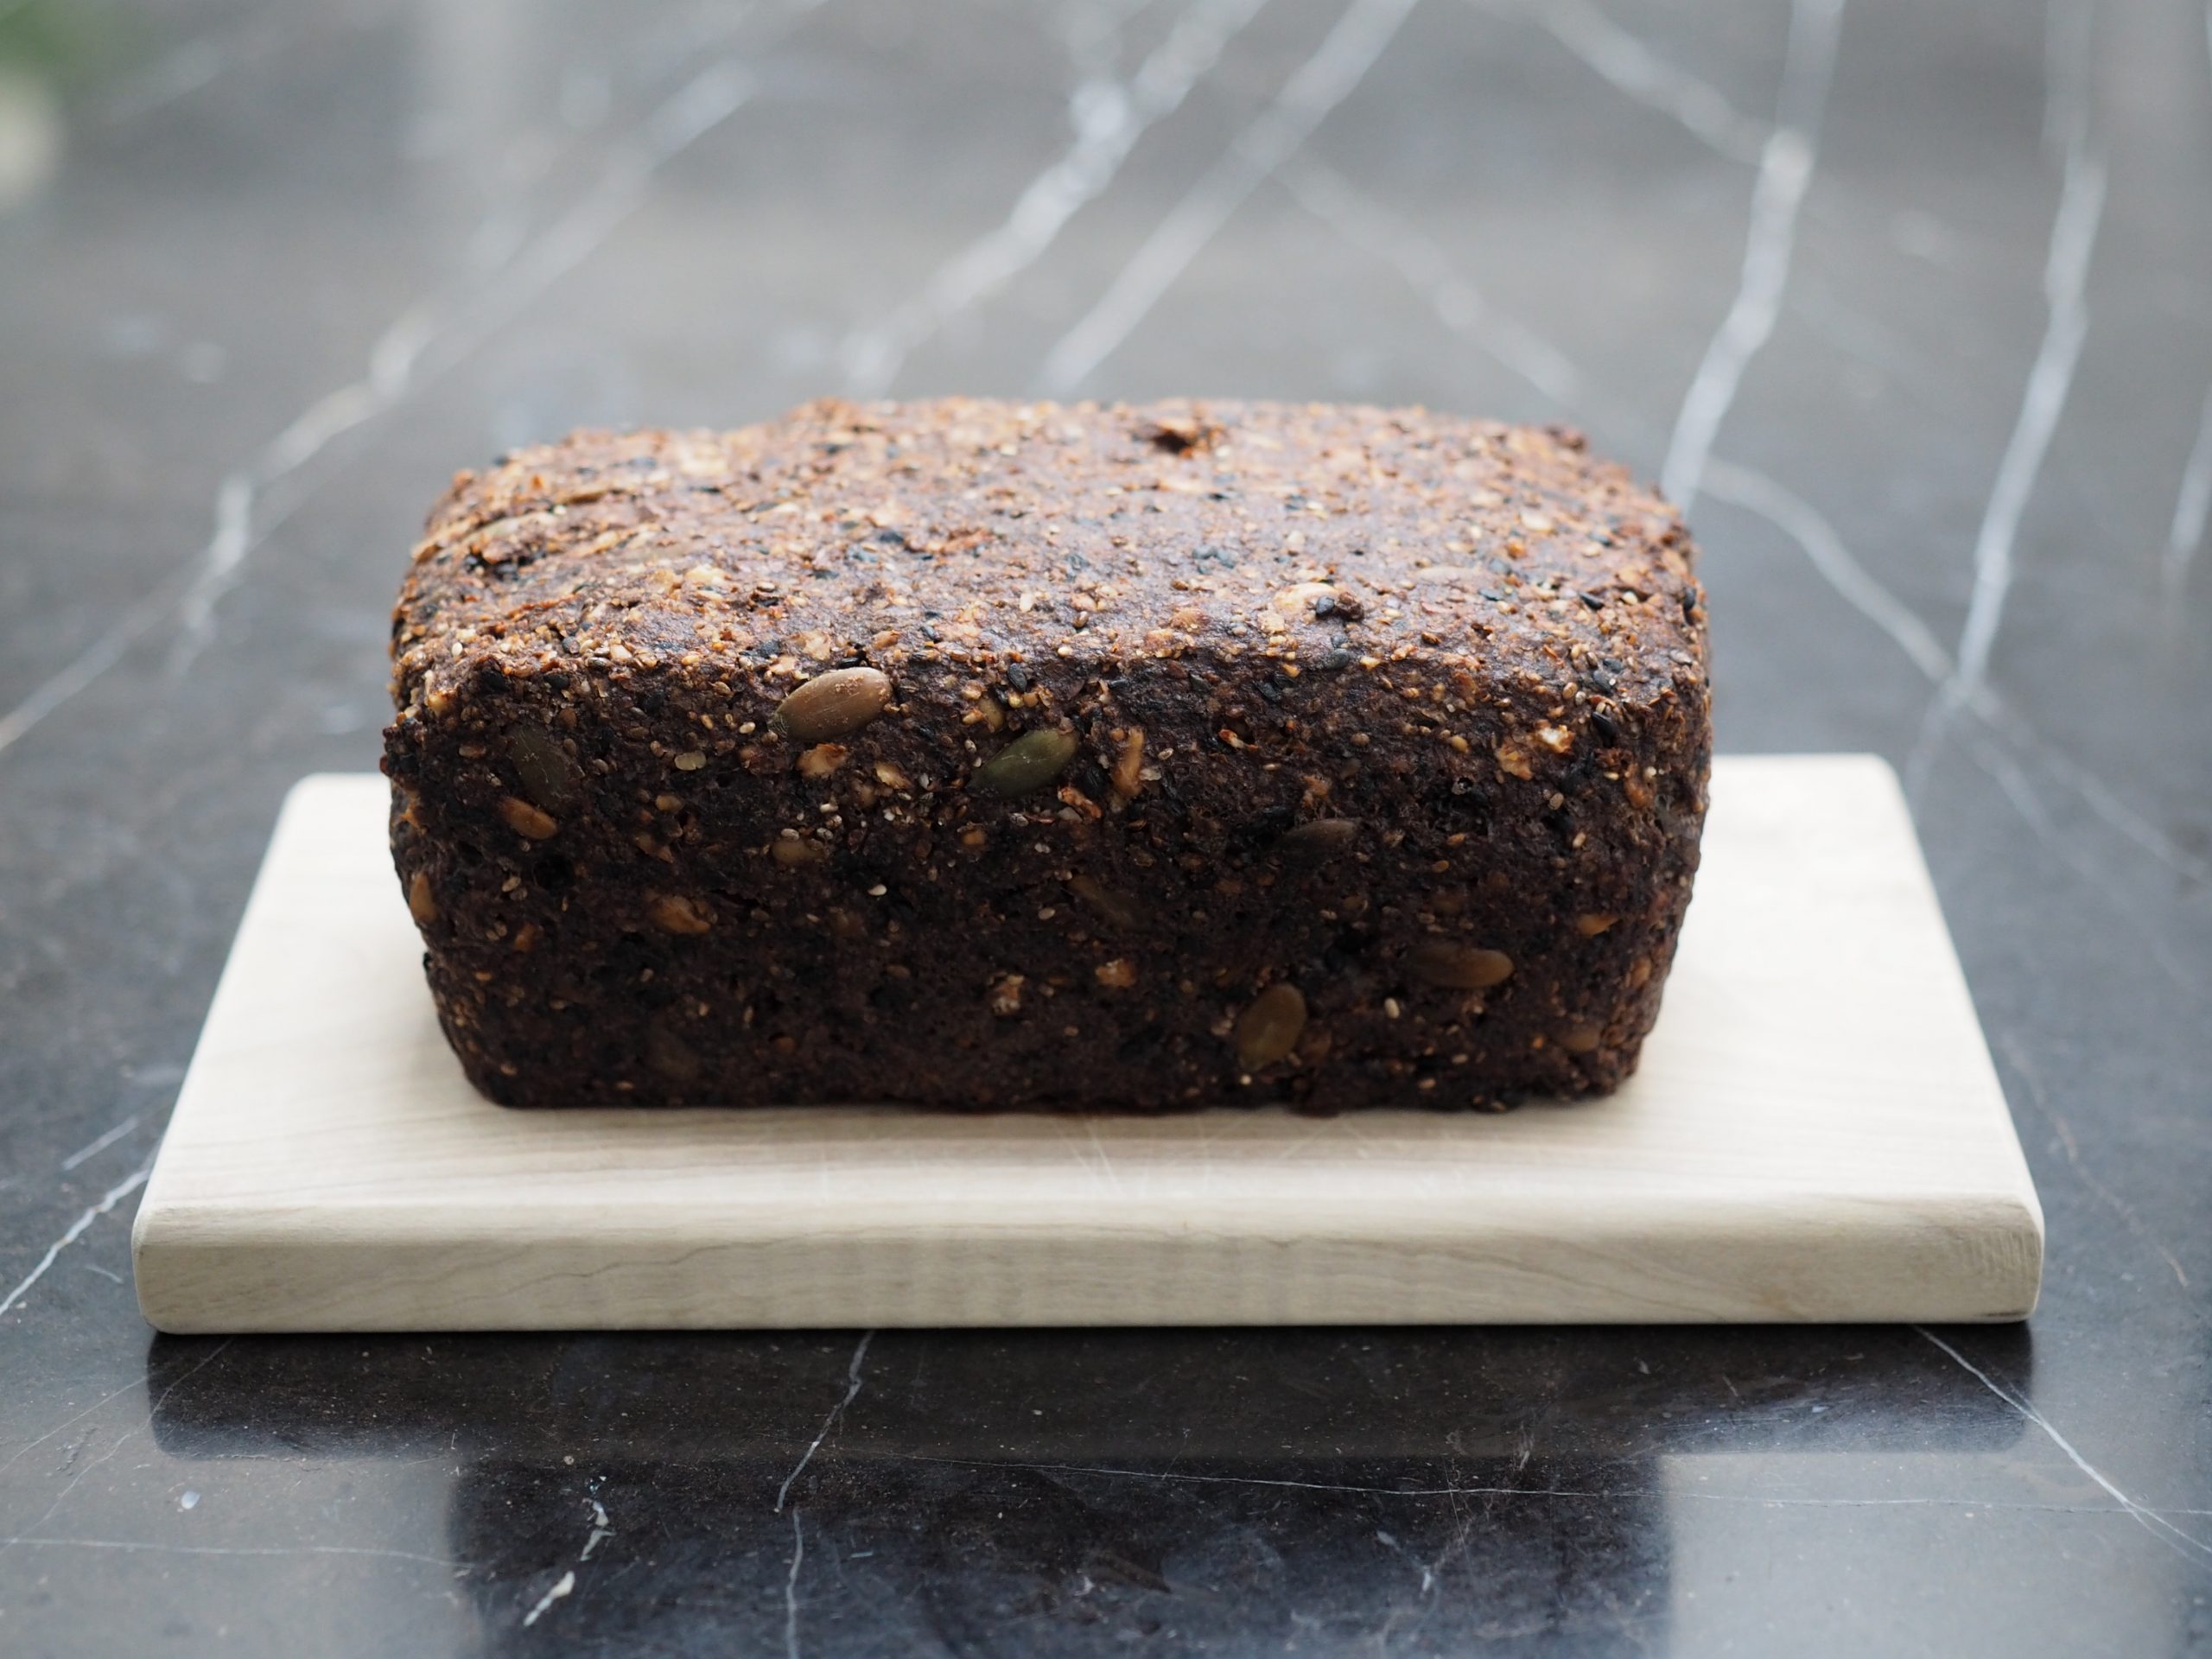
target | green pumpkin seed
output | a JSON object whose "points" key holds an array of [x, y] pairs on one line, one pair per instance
{"points": [[547, 775], [1107, 904], [1031, 761], [1269, 1028], [670, 1055], [1318, 841]]}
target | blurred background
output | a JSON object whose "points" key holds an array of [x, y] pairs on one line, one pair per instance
{"points": [[1909, 301]]}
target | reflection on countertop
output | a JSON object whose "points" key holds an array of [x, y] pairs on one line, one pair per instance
{"points": [[1906, 303]]}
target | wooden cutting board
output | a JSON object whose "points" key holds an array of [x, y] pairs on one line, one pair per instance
{"points": [[1815, 1134]]}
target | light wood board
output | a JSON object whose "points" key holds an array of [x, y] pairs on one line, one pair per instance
{"points": [[1815, 1134]]}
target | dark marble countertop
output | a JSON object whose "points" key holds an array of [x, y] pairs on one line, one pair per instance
{"points": [[1908, 301]]}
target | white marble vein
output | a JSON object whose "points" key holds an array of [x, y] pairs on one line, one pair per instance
{"points": [[2184, 1543], [2073, 239], [29, 1446], [2097, 795], [156, 1547], [2071, 1146], [791, 1589], [1323, 81], [1826, 552], [428, 338], [114, 1196], [1388, 1541], [1695, 1494], [1431, 272], [2065, 274], [1109, 119], [1632, 69], [828, 1423], [92, 1149], [1786, 164], [601, 1529], [2094, 872], [1824, 549], [30, 1534], [2192, 505], [564, 1586]]}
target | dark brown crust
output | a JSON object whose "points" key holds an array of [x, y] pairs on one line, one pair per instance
{"points": [[1482, 647]]}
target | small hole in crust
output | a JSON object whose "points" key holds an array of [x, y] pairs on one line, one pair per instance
{"points": [[1180, 435]]}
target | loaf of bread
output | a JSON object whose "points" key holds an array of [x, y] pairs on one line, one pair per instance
{"points": [[995, 755]]}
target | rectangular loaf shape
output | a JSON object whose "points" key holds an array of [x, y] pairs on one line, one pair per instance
{"points": [[983, 755]]}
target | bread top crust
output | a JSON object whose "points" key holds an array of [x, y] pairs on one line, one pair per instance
{"points": [[983, 539]]}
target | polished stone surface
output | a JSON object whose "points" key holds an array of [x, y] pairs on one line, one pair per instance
{"points": [[1910, 299]]}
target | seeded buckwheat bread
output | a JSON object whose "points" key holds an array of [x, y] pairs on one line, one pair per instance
{"points": [[990, 755]]}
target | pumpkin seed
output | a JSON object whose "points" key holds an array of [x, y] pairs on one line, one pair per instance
{"points": [[1107, 904], [1031, 761], [1270, 1027], [1458, 967], [832, 705], [547, 775], [670, 1055], [1317, 840]]}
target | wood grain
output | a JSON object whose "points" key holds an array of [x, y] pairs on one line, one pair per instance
{"points": [[1816, 1133]]}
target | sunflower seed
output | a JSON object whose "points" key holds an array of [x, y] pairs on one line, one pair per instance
{"points": [[673, 913], [821, 759], [526, 820]]}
